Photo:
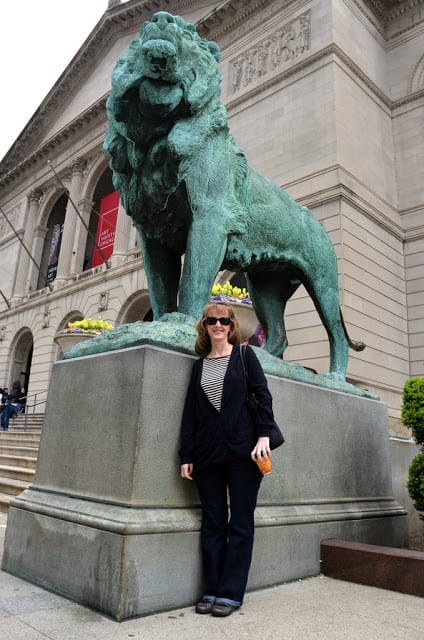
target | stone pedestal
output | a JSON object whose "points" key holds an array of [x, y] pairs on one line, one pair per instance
{"points": [[109, 522]]}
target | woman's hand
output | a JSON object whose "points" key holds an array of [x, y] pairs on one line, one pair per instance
{"points": [[261, 449], [187, 470]]}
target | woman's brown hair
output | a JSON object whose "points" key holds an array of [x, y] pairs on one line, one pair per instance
{"points": [[203, 342]]}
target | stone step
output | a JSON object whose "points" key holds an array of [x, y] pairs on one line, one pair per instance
{"points": [[373, 565], [18, 460], [30, 417], [10, 460], [13, 487], [11, 450], [8, 438], [16, 473], [14, 425], [30, 422], [21, 430]]}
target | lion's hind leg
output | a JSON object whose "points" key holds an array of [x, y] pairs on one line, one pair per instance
{"points": [[327, 303], [269, 291]]}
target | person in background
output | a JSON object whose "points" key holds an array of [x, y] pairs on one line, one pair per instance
{"points": [[21, 404], [219, 442], [10, 409]]}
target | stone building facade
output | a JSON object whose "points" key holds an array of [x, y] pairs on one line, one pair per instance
{"points": [[326, 97]]}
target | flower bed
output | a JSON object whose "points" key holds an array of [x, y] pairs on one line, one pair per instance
{"points": [[87, 325], [227, 293]]}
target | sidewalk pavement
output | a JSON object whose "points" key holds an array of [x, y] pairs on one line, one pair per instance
{"points": [[318, 608]]}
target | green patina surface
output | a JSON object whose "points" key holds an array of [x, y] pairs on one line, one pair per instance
{"points": [[190, 191]]}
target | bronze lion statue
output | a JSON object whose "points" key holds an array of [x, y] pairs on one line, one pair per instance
{"points": [[190, 192]]}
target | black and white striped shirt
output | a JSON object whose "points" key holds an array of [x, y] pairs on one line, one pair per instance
{"points": [[212, 380]]}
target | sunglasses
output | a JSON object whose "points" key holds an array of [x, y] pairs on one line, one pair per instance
{"points": [[224, 320]]}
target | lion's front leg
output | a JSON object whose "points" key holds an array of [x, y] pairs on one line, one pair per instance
{"points": [[205, 251], [163, 268]]}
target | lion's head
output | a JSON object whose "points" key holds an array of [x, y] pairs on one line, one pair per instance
{"points": [[168, 75], [169, 58], [171, 48]]}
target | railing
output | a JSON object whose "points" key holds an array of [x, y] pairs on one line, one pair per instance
{"points": [[30, 407]]}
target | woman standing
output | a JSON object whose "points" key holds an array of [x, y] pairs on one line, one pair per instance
{"points": [[219, 443], [10, 409]]}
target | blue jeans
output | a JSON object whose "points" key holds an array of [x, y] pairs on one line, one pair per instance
{"points": [[227, 543], [8, 412]]}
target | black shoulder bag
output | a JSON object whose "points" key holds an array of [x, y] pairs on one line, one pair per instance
{"points": [[276, 437]]}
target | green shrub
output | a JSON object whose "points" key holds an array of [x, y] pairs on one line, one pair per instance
{"points": [[413, 417], [413, 407], [416, 482]]}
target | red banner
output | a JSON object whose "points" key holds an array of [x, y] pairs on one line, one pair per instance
{"points": [[106, 226]]}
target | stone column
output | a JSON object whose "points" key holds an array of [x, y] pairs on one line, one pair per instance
{"points": [[23, 273], [69, 228], [38, 241], [134, 238], [80, 239], [122, 235]]}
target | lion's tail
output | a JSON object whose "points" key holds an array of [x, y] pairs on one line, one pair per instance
{"points": [[355, 345]]}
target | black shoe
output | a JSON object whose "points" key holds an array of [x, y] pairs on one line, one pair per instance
{"points": [[205, 606], [222, 610]]}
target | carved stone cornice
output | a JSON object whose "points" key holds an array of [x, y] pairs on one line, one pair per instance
{"points": [[229, 14], [389, 10], [41, 155]]}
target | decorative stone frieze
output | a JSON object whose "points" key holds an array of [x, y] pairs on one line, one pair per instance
{"points": [[273, 52]]}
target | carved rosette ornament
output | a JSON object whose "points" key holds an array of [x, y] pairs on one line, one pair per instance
{"points": [[282, 46]]}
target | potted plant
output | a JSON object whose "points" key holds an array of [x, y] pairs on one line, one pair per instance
{"points": [[242, 304], [79, 330]]}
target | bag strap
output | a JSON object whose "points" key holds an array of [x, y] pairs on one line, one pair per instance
{"points": [[243, 364], [243, 359]]}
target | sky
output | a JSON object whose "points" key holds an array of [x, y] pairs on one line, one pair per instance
{"points": [[38, 38]]}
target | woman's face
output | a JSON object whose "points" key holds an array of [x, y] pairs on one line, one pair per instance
{"points": [[218, 332]]}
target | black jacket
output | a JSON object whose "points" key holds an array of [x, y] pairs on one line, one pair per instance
{"points": [[209, 437], [14, 395]]}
